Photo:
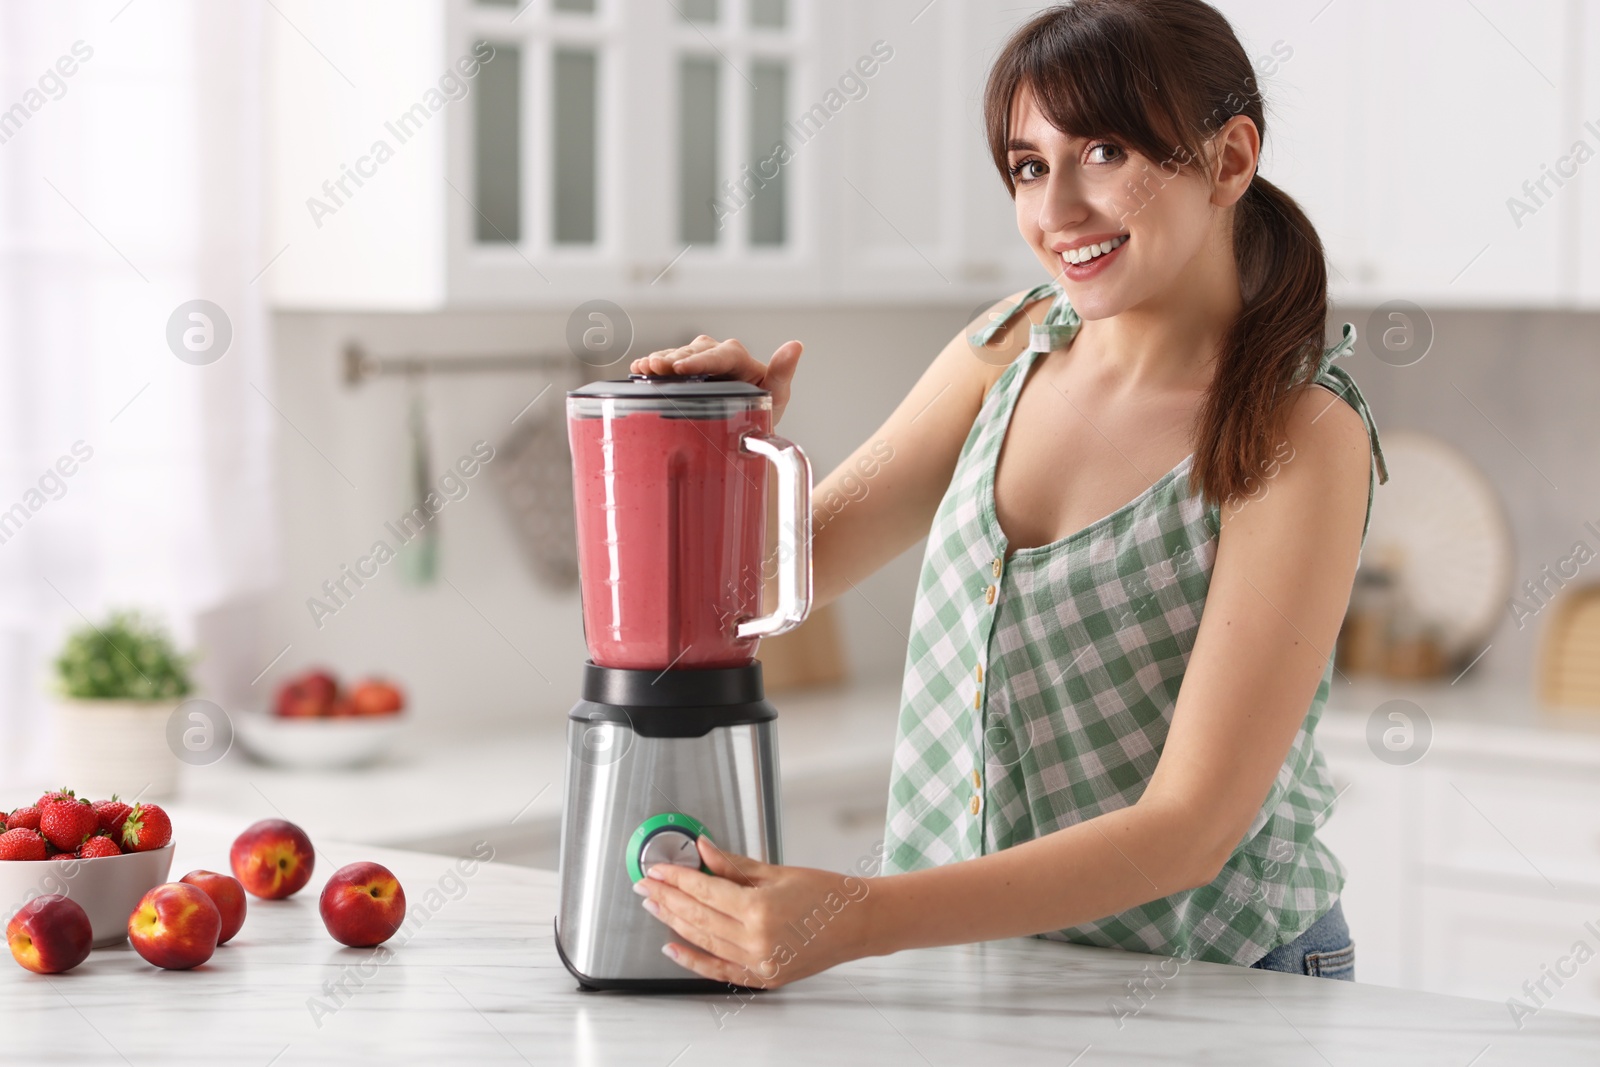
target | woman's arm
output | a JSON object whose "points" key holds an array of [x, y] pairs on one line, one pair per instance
{"points": [[880, 501], [1281, 581]]}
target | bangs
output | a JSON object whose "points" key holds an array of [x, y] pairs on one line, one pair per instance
{"points": [[1097, 72]]}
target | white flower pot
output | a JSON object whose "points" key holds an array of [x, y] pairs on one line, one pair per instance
{"points": [[115, 746]]}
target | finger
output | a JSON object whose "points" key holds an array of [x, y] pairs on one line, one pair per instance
{"points": [[667, 882], [744, 870], [780, 371], [708, 929], [645, 365], [713, 967], [699, 344], [786, 359], [719, 358], [661, 360]]}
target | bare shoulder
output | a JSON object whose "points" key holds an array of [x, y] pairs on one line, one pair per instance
{"points": [[1317, 474], [1326, 422], [1008, 342]]}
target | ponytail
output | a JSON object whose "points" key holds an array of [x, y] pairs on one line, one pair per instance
{"points": [[1277, 338]]}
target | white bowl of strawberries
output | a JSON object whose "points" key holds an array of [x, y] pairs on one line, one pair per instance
{"points": [[105, 855], [315, 723]]}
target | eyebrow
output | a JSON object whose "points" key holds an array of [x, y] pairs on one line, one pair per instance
{"points": [[1017, 144]]}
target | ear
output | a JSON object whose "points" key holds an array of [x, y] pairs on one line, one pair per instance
{"points": [[1236, 151]]}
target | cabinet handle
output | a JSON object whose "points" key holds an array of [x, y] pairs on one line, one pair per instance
{"points": [[648, 273]]}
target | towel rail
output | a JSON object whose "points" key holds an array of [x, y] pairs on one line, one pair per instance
{"points": [[361, 365]]}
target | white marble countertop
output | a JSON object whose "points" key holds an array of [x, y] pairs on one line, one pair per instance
{"points": [[478, 981]]}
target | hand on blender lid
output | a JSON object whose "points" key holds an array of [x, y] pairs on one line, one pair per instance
{"points": [[722, 360]]}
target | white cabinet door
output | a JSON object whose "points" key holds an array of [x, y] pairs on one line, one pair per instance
{"points": [[1370, 836], [888, 189], [1467, 106], [1497, 946], [1408, 131], [1524, 829], [353, 201], [1303, 54]]}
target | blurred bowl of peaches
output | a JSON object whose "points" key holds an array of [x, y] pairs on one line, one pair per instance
{"points": [[316, 723]]}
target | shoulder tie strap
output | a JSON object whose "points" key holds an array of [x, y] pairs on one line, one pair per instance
{"points": [[1060, 325], [1348, 389]]}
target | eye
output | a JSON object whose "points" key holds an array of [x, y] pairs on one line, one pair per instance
{"points": [[1021, 174], [1104, 152]]}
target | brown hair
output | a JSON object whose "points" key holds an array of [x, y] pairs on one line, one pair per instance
{"points": [[1160, 77]]}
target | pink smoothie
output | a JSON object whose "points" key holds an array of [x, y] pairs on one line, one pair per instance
{"points": [[671, 520]]}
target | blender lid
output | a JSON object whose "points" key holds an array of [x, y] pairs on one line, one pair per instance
{"points": [[659, 386]]}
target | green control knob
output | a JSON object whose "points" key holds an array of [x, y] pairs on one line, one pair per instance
{"points": [[666, 838]]}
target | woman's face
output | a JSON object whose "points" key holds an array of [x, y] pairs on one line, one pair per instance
{"points": [[1074, 194]]}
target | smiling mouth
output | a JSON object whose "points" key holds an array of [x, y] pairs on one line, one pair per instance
{"points": [[1076, 256]]}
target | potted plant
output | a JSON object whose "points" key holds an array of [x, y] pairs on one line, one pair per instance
{"points": [[118, 684]]}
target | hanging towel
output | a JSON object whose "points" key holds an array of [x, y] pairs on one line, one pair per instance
{"points": [[419, 558]]}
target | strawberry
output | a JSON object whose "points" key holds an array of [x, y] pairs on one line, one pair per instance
{"points": [[65, 820], [112, 813], [23, 819], [147, 827], [45, 798], [99, 845], [21, 844]]}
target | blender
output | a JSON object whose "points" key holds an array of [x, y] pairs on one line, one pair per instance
{"points": [[672, 735]]}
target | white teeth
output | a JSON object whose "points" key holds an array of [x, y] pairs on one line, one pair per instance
{"points": [[1088, 252]]}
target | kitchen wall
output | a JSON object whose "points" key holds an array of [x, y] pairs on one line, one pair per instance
{"points": [[487, 643]]}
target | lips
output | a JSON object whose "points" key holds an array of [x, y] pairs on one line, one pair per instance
{"points": [[1088, 260]]}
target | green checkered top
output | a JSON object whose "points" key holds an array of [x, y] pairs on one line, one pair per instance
{"points": [[1038, 690]]}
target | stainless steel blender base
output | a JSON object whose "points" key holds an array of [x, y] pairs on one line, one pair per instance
{"points": [[618, 779]]}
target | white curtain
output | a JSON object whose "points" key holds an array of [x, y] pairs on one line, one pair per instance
{"points": [[130, 164]]}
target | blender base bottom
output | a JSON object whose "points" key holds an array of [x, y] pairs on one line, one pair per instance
{"points": [[645, 985]]}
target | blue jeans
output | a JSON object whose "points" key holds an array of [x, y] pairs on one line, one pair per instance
{"points": [[1324, 950]]}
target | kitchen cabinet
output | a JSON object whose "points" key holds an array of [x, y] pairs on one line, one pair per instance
{"points": [[630, 149], [921, 212], [1377, 850], [537, 154], [1470, 869], [721, 150], [1408, 131], [1586, 130]]}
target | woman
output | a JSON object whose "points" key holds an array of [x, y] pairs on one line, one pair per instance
{"points": [[1115, 673]]}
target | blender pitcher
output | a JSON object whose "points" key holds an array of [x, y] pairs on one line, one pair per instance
{"points": [[670, 479]]}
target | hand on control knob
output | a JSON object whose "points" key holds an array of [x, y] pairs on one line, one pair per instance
{"points": [[738, 924], [707, 355]]}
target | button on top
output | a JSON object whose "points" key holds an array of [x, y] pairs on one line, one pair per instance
{"points": [[977, 780], [997, 562], [980, 674]]}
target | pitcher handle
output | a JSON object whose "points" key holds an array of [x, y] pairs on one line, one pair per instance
{"points": [[794, 534]]}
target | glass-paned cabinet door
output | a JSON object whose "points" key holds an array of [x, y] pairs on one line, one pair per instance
{"points": [[629, 143], [527, 205], [735, 61]]}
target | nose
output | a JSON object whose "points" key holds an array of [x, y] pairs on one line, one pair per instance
{"points": [[1063, 206]]}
